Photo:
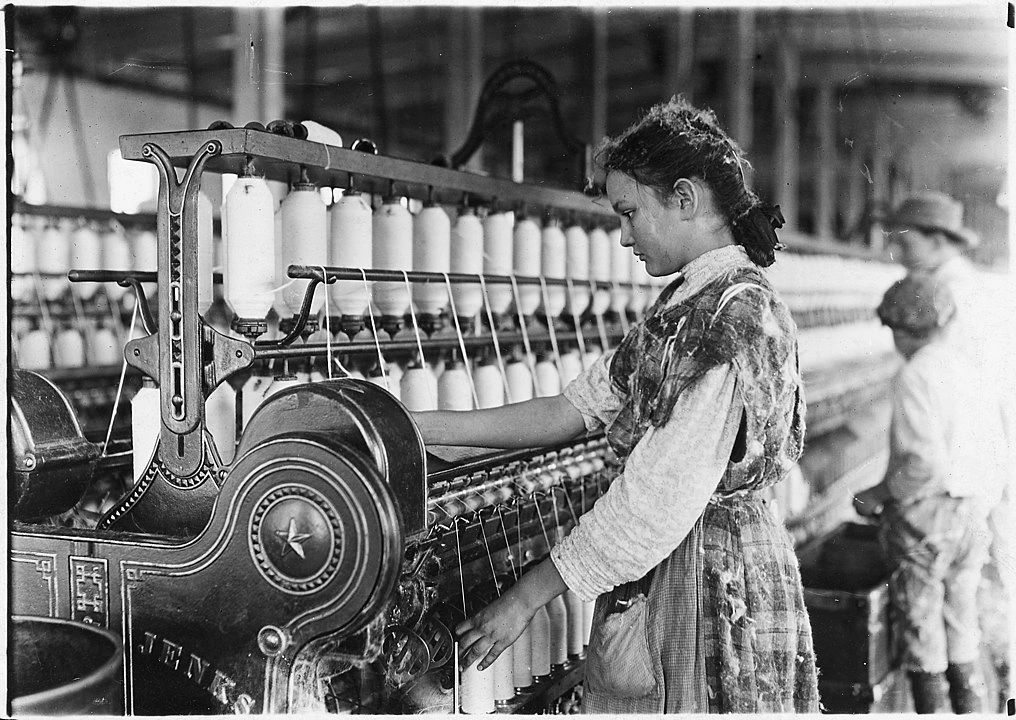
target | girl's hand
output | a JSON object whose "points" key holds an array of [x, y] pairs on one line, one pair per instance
{"points": [[494, 629]]}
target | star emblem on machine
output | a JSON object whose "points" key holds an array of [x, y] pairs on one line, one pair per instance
{"points": [[294, 538]]}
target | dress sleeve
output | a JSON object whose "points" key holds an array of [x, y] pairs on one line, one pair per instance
{"points": [[667, 482], [594, 395]]}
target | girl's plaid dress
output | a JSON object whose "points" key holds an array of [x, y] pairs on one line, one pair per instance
{"points": [[725, 626]]}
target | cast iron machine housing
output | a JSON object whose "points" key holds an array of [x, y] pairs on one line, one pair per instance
{"points": [[333, 550]]}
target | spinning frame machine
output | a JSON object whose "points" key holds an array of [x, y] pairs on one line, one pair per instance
{"points": [[322, 568]]}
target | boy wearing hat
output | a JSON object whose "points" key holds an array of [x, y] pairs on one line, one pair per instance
{"points": [[946, 426], [928, 235]]}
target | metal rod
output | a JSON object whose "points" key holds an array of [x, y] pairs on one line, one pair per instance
{"points": [[397, 346], [117, 276], [317, 272]]}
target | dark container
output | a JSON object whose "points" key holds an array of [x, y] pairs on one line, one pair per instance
{"points": [[61, 667], [890, 695], [846, 591]]}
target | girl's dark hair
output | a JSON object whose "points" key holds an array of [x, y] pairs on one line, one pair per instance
{"points": [[676, 140]]}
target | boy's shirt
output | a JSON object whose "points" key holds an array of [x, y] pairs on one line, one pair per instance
{"points": [[947, 431]]}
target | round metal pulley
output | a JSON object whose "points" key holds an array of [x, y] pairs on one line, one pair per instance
{"points": [[322, 524]]}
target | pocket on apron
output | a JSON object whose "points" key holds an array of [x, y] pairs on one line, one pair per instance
{"points": [[618, 662]]}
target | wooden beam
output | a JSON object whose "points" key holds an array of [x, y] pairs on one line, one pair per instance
{"points": [[787, 160], [741, 79], [824, 114], [878, 167], [464, 72], [679, 34], [258, 36], [599, 78]]}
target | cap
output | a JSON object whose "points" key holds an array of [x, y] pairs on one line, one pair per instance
{"points": [[918, 303]]}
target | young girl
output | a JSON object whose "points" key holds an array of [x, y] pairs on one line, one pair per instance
{"points": [[699, 599]]}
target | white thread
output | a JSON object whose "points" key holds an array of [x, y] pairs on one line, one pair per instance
{"points": [[373, 329], [47, 320], [493, 335], [412, 315], [530, 360], [504, 531], [328, 323], [462, 342], [550, 329], [578, 326], [119, 388]]}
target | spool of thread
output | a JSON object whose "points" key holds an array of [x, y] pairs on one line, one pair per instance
{"points": [[23, 262], [252, 394], [526, 259], [418, 389], [316, 132], [145, 426], [34, 351], [432, 237], [554, 264], [540, 627], [576, 623], [498, 252], [250, 248], [350, 244], [599, 267], [220, 419], [376, 378], [393, 250], [620, 272], [53, 256], [116, 255], [86, 254], [522, 659], [304, 242], [520, 381], [577, 251], [103, 347], [68, 349], [504, 678], [477, 691], [558, 614], [206, 253], [281, 277], [453, 392], [279, 191], [467, 257], [489, 387], [547, 378], [571, 367], [588, 609]]}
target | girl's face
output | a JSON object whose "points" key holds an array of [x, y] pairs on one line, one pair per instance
{"points": [[655, 230]]}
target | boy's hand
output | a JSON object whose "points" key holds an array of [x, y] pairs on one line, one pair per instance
{"points": [[869, 502]]}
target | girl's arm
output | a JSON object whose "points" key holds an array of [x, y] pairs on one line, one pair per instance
{"points": [[541, 421]]}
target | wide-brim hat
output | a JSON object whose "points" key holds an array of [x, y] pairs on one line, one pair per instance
{"points": [[931, 210]]}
